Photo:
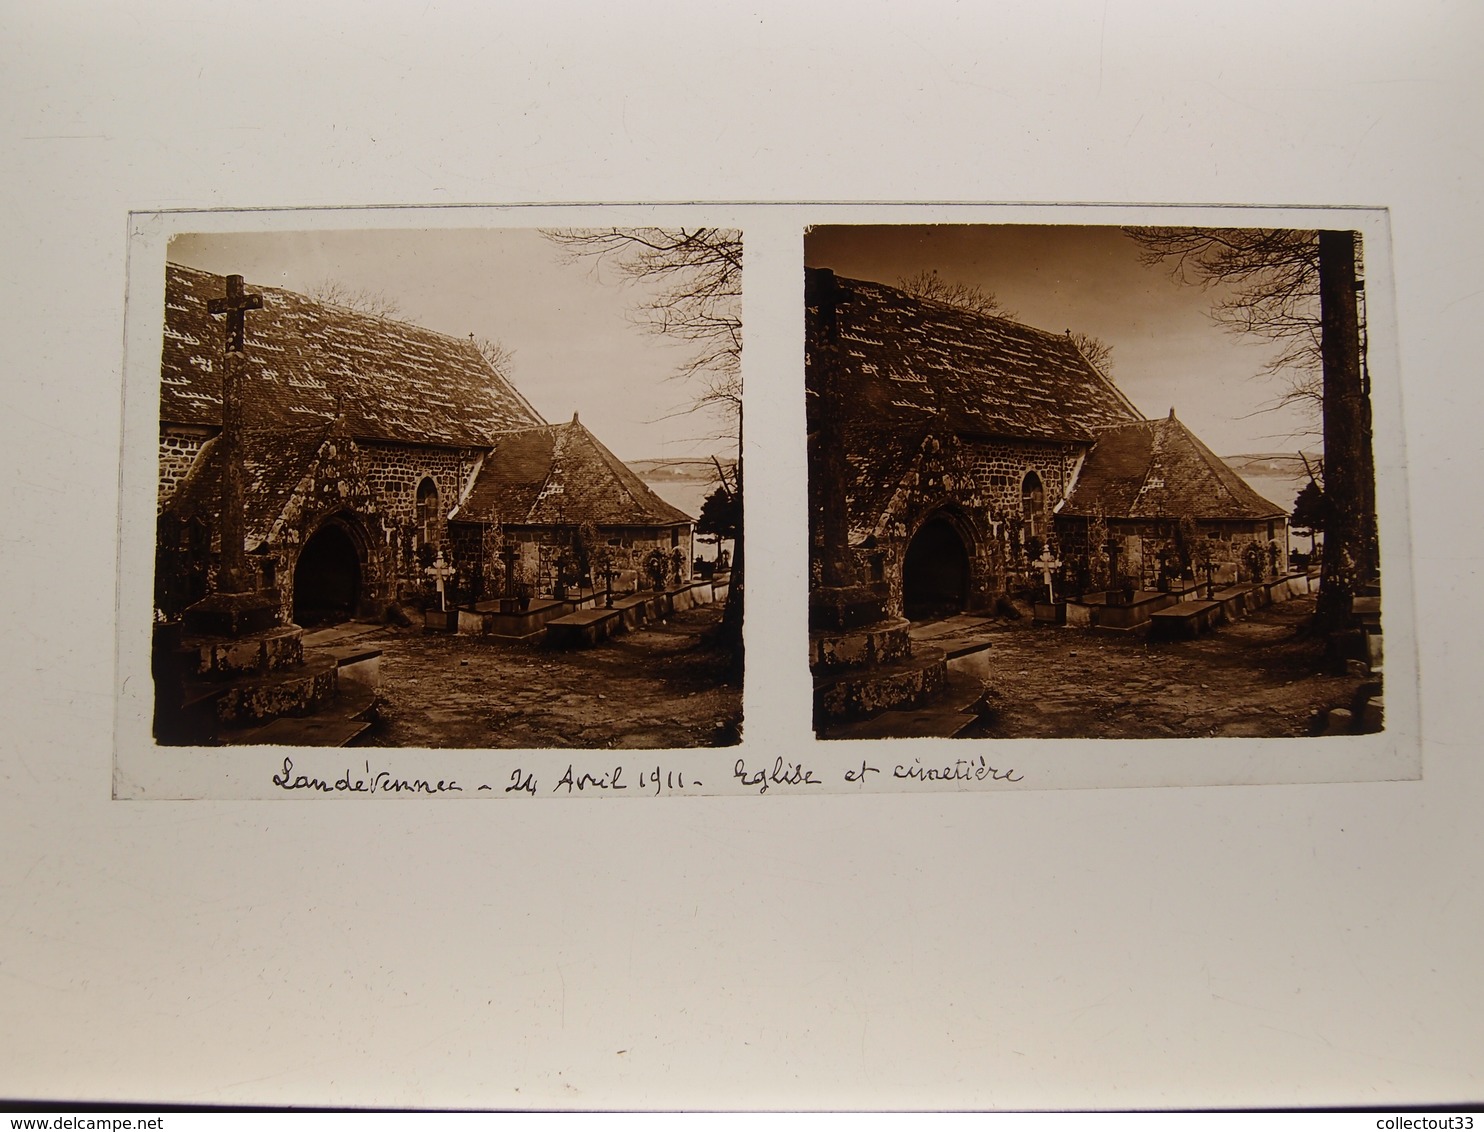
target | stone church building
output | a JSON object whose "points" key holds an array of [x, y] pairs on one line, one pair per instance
{"points": [[949, 449], [372, 448]]}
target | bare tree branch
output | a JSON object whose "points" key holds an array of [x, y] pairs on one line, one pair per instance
{"points": [[695, 278], [1094, 349], [1304, 291], [965, 296], [500, 356], [376, 303]]}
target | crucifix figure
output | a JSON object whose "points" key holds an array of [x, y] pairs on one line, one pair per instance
{"points": [[441, 572], [234, 576], [1047, 564]]}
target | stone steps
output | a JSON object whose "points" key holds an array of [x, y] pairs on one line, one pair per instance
{"points": [[338, 725], [262, 697], [866, 691], [947, 716], [882, 643]]}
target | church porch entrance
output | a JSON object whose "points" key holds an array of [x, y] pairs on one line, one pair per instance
{"points": [[328, 578], [935, 572]]}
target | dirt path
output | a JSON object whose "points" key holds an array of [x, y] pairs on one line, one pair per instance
{"points": [[658, 687], [1254, 677]]}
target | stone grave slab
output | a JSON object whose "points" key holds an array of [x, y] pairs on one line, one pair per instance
{"points": [[583, 628], [1131, 614], [1185, 620]]}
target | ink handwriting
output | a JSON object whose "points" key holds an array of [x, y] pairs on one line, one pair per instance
{"points": [[378, 782], [961, 770], [608, 780], [652, 780], [779, 774]]}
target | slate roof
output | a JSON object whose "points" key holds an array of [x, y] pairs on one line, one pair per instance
{"points": [[1160, 470], [919, 363], [559, 474], [913, 368], [399, 382]]}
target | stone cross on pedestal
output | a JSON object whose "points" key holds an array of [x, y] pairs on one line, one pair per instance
{"points": [[1047, 564], [233, 576], [441, 572]]}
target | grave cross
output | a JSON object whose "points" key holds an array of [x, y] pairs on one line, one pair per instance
{"points": [[1111, 546], [441, 572], [1048, 564], [507, 555], [235, 305]]}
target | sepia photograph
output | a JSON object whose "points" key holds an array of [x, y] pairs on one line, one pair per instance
{"points": [[450, 489], [1076, 481], [358, 357]]}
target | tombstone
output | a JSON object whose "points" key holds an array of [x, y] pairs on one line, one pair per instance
{"points": [[1047, 563], [1208, 564], [1115, 586], [441, 573], [608, 574], [507, 558]]}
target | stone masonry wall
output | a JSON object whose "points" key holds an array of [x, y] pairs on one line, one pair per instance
{"points": [[976, 485], [370, 489], [393, 473], [178, 451], [395, 470]]}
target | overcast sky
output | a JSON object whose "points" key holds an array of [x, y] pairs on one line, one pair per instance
{"points": [[577, 343], [1167, 353]]}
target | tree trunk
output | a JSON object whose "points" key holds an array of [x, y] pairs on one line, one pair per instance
{"points": [[1348, 555], [731, 614]]}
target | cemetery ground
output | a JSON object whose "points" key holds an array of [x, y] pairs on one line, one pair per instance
{"points": [[1263, 676], [663, 685]]}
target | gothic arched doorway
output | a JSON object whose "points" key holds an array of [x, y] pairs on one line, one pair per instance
{"points": [[327, 578], [935, 572]]}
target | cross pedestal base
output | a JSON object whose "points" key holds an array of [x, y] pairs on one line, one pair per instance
{"points": [[231, 615], [845, 607]]}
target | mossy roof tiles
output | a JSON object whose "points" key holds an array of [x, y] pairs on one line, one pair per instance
{"points": [[560, 474], [395, 381], [1161, 470]]}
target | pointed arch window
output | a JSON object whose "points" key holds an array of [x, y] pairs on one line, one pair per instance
{"points": [[429, 519], [1033, 507]]}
